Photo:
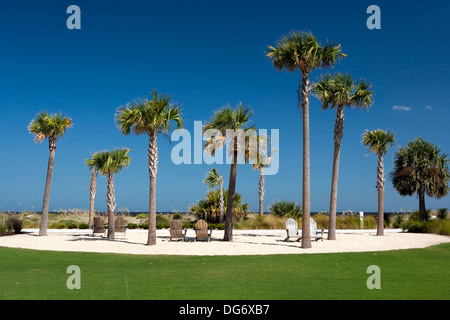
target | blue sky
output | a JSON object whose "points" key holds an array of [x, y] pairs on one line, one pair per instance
{"points": [[207, 54]]}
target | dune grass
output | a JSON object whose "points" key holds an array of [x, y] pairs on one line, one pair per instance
{"points": [[29, 274]]}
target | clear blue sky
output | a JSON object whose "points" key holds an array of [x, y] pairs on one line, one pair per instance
{"points": [[207, 54]]}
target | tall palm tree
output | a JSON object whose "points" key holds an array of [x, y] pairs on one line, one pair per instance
{"points": [[378, 142], [421, 168], [234, 120], [51, 127], [152, 117], [213, 179], [302, 51], [336, 92], [90, 162], [109, 163]]}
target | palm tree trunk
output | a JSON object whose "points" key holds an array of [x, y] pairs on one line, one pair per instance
{"points": [[228, 236], [111, 205], [261, 191], [221, 204], [422, 208], [380, 189], [306, 195], [92, 191], [152, 168], [48, 186], [338, 134]]}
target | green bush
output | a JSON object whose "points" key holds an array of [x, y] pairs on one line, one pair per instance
{"points": [[436, 226], [61, 225], [132, 226], [287, 209], [16, 224], [72, 226], [83, 226], [176, 216], [4, 225]]}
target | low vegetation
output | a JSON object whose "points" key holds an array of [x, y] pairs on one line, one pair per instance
{"points": [[437, 221]]}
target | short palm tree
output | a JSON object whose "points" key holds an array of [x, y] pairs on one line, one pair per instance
{"points": [[421, 168], [378, 142], [90, 163], [235, 120], [213, 179], [302, 51], [260, 161], [336, 92], [152, 117], [51, 127], [109, 163]]}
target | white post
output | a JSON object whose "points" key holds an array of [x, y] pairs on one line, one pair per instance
{"points": [[361, 220]]}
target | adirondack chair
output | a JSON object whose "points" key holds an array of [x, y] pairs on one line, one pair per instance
{"points": [[176, 231], [293, 231], [119, 225], [201, 231], [98, 226]]}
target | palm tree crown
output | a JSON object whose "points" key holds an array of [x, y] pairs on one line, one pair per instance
{"points": [[149, 116], [378, 140], [213, 178], [50, 126], [302, 51], [341, 90], [109, 162]]}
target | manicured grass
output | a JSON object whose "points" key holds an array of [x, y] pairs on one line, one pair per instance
{"points": [[405, 274]]}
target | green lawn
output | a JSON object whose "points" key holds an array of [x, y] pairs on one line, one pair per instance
{"points": [[405, 274]]}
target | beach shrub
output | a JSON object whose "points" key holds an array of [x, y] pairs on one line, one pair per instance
{"points": [[16, 224], [83, 226], [61, 225], [4, 225], [286, 209], [177, 216], [132, 226], [208, 209], [72, 226], [322, 220], [436, 226], [442, 213]]}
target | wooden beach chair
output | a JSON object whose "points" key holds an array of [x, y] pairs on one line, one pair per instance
{"points": [[98, 226], [201, 231], [176, 231], [293, 231], [119, 225]]}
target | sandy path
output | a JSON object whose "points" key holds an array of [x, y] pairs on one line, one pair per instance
{"points": [[246, 242]]}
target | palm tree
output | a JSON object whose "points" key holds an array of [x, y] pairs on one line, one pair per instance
{"points": [[378, 142], [51, 127], [261, 161], [302, 51], [420, 168], [152, 117], [109, 163], [213, 179], [336, 92], [234, 120], [90, 162]]}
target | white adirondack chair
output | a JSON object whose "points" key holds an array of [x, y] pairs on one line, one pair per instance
{"points": [[293, 231]]}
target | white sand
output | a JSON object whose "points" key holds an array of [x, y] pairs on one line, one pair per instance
{"points": [[246, 242]]}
